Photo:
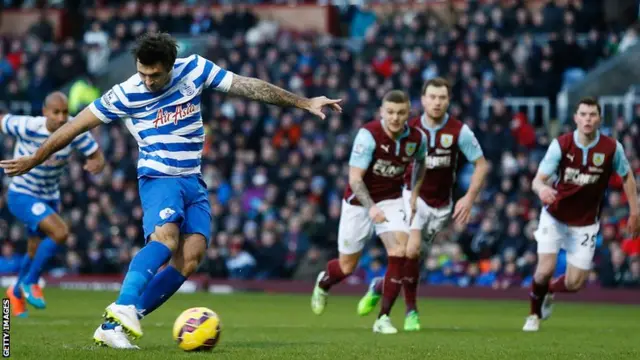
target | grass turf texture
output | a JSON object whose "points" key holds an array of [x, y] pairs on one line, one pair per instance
{"points": [[260, 326]]}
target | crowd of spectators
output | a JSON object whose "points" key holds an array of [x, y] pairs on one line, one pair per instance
{"points": [[276, 177]]}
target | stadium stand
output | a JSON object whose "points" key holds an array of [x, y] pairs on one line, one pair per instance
{"points": [[276, 177]]}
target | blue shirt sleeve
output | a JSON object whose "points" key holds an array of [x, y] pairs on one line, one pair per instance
{"points": [[362, 151], [13, 125], [549, 164], [620, 161], [85, 143], [109, 107], [422, 150], [216, 77], [469, 145]]}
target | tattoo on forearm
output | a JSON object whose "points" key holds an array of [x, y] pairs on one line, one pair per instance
{"points": [[262, 91], [362, 194], [418, 170]]}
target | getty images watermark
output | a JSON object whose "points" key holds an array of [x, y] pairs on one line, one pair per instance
{"points": [[6, 328]]}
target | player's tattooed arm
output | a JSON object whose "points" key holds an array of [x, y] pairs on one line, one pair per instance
{"points": [[359, 188], [418, 174], [259, 90]]}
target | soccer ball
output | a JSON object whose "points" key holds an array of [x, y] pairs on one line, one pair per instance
{"points": [[197, 329]]}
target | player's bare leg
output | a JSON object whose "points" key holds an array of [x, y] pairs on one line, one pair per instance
{"points": [[56, 232], [540, 290], [14, 292], [336, 271], [411, 279], [395, 243]]}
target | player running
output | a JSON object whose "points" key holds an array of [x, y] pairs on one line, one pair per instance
{"points": [[447, 138], [34, 197], [583, 161], [381, 153], [160, 105]]}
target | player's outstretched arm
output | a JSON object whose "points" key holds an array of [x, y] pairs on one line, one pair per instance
{"points": [[85, 121], [259, 90]]}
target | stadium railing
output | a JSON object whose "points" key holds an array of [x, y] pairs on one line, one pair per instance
{"points": [[534, 107], [612, 77]]}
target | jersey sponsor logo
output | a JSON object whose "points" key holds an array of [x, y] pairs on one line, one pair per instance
{"points": [[574, 176], [168, 117], [410, 148], [598, 159], [386, 168], [446, 140], [434, 162]]}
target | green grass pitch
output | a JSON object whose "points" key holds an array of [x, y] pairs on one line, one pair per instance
{"points": [[263, 326]]}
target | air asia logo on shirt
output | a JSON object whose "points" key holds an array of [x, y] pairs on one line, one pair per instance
{"points": [[167, 117]]}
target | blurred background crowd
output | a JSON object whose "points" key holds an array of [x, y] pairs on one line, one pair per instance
{"points": [[276, 177]]}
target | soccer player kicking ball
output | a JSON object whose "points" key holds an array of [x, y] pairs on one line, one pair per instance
{"points": [[381, 152], [34, 197], [447, 138], [583, 161], [161, 108]]}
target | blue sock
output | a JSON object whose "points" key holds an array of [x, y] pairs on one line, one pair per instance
{"points": [[159, 290], [46, 250], [24, 268], [142, 268]]}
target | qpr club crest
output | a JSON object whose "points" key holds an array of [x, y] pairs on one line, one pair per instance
{"points": [[598, 159], [187, 88], [446, 140], [410, 148]]}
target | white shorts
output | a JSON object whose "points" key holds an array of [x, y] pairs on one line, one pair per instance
{"points": [[430, 220], [356, 227], [578, 241]]}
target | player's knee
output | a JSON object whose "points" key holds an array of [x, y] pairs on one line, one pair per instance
{"points": [[397, 251], [348, 265], [168, 234], [574, 284], [60, 234], [32, 247], [543, 274]]}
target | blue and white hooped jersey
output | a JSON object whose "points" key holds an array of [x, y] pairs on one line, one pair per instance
{"points": [[166, 124], [30, 132]]}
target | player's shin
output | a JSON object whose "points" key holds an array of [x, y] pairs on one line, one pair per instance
{"points": [[392, 284], [159, 290], [25, 265], [47, 250], [142, 268], [411, 271], [333, 275]]}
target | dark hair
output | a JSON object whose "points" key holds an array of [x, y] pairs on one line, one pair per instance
{"points": [[153, 48], [589, 101], [436, 82], [396, 96]]}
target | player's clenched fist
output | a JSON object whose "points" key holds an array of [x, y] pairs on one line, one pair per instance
{"points": [[547, 195], [377, 215]]}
